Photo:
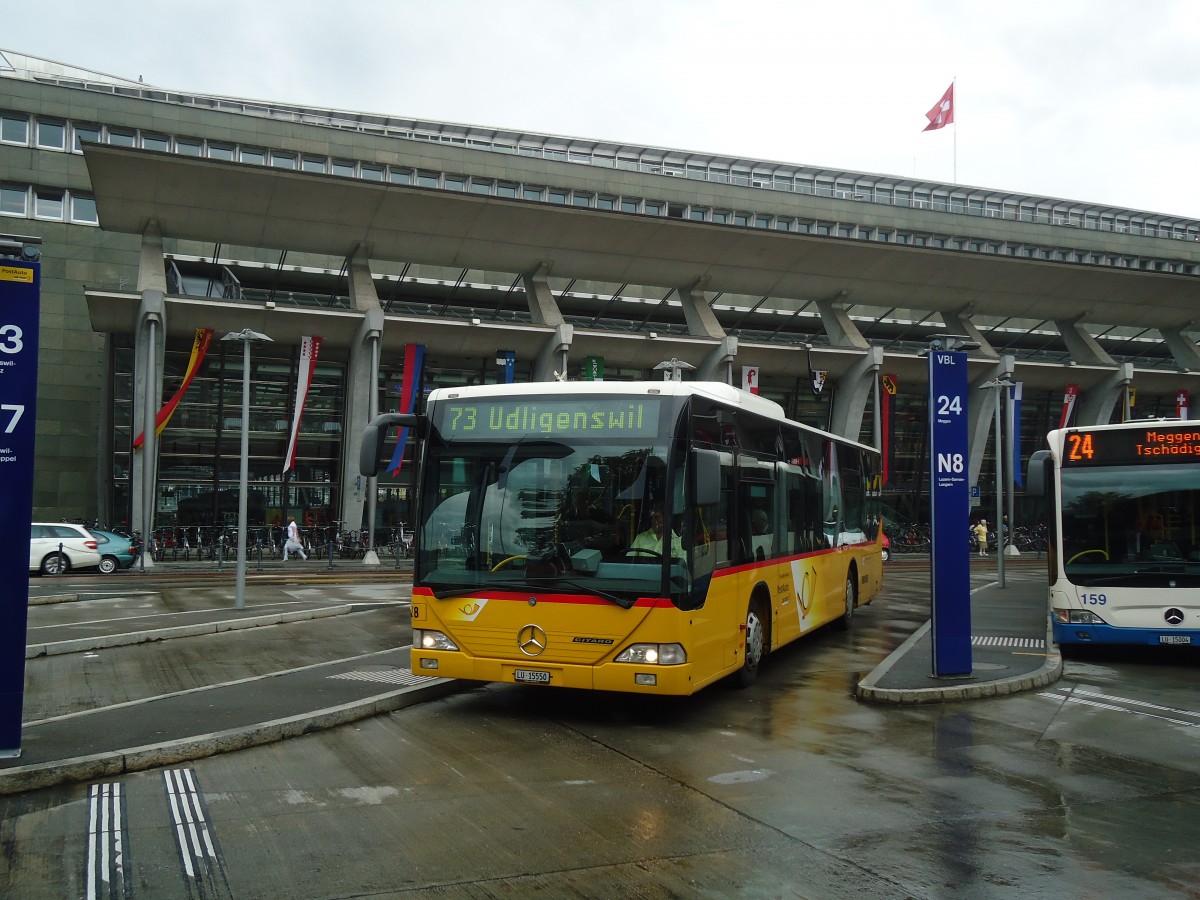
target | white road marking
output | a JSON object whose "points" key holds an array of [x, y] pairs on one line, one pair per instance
{"points": [[202, 862], [106, 843], [1097, 700]]}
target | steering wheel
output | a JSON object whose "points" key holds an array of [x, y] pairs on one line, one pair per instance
{"points": [[1103, 553], [504, 562], [642, 551]]}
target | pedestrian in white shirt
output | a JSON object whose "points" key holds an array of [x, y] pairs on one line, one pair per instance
{"points": [[293, 545]]}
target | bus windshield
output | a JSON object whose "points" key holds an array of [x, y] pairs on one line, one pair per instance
{"points": [[1132, 525], [551, 514]]}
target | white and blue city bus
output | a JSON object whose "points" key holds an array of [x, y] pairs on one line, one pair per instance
{"points": [[1124, 532]]}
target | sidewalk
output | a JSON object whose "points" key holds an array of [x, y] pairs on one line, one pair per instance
{"points": [[1011, 648]]}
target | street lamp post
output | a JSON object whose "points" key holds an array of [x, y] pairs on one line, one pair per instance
{"points": [[1000, 385], [247, 337]]}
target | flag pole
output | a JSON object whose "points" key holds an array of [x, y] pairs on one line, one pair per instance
{"points": [[955, 83]]}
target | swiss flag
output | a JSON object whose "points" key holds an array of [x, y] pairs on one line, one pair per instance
{"points": [[942, 113]]}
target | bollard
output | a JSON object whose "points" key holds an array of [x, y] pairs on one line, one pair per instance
{"points": [[258, 552], [61, 559], [330, 552], [399, 547], [221, 554]]}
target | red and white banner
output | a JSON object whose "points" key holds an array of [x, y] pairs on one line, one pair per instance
{"points": [[942, 113], [200, 347], [1183, 401], [1068, 406], [310, 349], [750, 379]]}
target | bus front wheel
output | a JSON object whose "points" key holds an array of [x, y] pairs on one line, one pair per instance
{"points": [[847, 618], [756, 645]]}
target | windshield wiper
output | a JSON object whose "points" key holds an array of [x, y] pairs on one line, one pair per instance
{"points": [[451, 590], [623, 602]]}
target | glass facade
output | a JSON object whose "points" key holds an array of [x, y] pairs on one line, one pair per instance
{"points": [[200, 449]]}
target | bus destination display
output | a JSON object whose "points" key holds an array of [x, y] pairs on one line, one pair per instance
{"points": [[1132, 446], [581, 416]]}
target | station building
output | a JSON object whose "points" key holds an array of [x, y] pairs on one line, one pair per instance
{"points": [[495, 255]]}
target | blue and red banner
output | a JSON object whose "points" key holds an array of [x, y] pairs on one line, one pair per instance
{"points": [[410, 389]]}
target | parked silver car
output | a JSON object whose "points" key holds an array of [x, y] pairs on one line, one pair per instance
{"points": [[58, 547]]}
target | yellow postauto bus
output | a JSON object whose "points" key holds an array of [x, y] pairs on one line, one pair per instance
{"points": [[647, 537]]}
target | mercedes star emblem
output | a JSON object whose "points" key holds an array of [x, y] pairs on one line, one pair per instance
{"points": [[531, 640]]}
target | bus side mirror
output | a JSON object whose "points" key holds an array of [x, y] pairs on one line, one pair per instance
{"points": [[1038, 473], [706, 469], [370, 453]]}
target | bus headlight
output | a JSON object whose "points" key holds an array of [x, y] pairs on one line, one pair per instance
{"points": [[654, 654], [1077, 617], [424, 639]]}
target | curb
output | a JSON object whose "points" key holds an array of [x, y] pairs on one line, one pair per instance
{"points": [[135, 759], [1049, 672]]}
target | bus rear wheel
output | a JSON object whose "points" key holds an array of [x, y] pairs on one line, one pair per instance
{"points": [[756, 645]]}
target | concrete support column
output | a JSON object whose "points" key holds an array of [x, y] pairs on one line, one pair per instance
{"points": [[853, 392], [718, 363], [362, 398], [960, 323], [1082, 346], [701, 321], [836, 321], [152, 272], [542, 305], [1182, 347], [149, 339], [981, 413], [551, 364], [1097, 403]]}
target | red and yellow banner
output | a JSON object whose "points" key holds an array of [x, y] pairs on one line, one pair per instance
{"points": [[200, 346]]}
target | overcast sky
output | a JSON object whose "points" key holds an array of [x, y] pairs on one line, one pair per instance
{"points": [[1095, 100]]}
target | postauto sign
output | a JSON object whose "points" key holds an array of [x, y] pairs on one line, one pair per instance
{"points": [[20, 287]]}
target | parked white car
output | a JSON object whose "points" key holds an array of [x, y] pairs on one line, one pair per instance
{"points": [[78, 546]]}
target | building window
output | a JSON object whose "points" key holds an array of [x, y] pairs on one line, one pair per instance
{"points": [[283, 160], [83, 209], [254, 155], [783, 224], [120, 138], [765, 222], [372, 173], [720, 216], [14, 201], [159, 142], [653, 209], [606, 203], [481, 187], [220, 151], [741, 219], [345, 168], [48, 204], [531, 193], [506, 189], [308, 163], [52, 135], [699, 213], [629, 205], [427, 179], [184, 146], [14, 129], [557, 196], [455, 183], [82, 133], [582, 199]]}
